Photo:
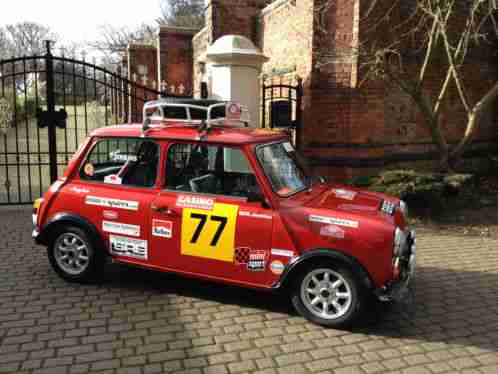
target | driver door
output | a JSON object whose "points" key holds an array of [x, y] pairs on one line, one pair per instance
{"points": [[202, 221]]}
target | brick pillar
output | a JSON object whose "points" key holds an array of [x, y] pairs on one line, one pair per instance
{"points": [[142, 69], [233, 17], [175, 59]]}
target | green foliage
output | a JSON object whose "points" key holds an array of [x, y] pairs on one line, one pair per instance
{"points": [[425, 193]]}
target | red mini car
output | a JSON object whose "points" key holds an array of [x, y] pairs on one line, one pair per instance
{"points": [[191, 192]]}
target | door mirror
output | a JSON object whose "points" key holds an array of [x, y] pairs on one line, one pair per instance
{"points": [[254, 196]]}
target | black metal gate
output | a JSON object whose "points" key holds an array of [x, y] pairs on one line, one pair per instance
{"points": [[281, 107], [48, 105]]}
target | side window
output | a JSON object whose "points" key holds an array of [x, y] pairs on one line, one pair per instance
{"points": [[209, 169], [122, 161]]}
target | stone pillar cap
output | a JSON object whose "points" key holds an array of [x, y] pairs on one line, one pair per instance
{"points": [[235, 47]]}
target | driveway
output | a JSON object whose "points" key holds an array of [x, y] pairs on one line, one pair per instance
{"points": [[138, 321]]}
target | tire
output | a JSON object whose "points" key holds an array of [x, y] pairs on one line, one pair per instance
{"points": [[74, 257], [327, 295]]}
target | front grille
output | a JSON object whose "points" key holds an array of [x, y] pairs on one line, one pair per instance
{"points": [[388, 207]]}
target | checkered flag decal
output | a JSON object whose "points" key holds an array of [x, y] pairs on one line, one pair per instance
{"points": [[241, 256]]}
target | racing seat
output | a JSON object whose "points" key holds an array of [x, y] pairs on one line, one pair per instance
{"points": [[143, 172]]}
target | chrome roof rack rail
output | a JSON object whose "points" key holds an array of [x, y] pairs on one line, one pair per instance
{"points": [[206, 123]]}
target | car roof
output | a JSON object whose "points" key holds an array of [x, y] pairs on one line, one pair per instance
{"points": [[181, 131]]}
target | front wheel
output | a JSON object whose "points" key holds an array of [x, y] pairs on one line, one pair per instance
{"points": [[327, 295], [73, 256]]}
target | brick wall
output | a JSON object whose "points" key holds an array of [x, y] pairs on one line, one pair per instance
{"points": [[142, 67], [176, 58]]}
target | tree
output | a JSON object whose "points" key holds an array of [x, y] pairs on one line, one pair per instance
{"points": [[25, 38], [183, 13], [405, 42], [114, 40]]}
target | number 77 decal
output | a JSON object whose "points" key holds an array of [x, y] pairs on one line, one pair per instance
{"points": [[209, 234], [203, 218]]}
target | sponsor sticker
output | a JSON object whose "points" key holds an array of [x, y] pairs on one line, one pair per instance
{"points": [[332, 231], [277, 267], [89, 170], [79, 190], [257, 261], [344, 194], [163, 229], [111, 203], [233, 111], [195, 202], [112, 179], [123, 157], [128, 247], [121, 228], [282, 252], [334, 221], [243, 213], [359, 208], [110, 214]]}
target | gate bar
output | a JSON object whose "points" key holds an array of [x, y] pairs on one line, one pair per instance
{"points": [[52, 137]]}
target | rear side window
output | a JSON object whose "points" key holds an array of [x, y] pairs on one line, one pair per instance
{"points": [[131, 162]]}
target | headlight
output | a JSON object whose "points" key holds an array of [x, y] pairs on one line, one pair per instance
{"points": [[400, 238], [404, 209]]}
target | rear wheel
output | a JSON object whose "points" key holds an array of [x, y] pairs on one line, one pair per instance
{"points": [[327, 295], [74, 257]]}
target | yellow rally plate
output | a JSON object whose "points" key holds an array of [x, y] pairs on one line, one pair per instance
{"points": [[210, 234]]}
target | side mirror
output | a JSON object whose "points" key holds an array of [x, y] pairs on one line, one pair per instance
{"points": [[254, 195]]}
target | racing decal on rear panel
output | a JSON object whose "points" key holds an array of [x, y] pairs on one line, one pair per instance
{"points": [[111, 203], [344, 194], [110, 214], [128, 247], [257, 261], [112, 179], [163, 229], [195, 202], [254, 260], [277, 267], [244, 213], [282, 252], [332, 231], [79, 190], [120, 228], [209, 234], [334, 221]]}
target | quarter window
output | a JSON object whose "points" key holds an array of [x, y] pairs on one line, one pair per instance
{"points": [[122, 161], [209, 169]]}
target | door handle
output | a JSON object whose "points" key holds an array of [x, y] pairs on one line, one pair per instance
{"points": [[163, 209]]}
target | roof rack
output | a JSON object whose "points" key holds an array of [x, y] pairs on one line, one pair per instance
{"points": [[209, 107]]}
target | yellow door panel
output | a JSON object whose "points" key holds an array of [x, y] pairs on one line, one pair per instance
{"points": [[209, 234]]}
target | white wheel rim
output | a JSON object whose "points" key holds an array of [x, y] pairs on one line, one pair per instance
{"points": [[326, 294], [71, 253]]}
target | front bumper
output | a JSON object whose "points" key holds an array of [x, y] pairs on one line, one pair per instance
{"points": [[36, 235], [407, 263]]}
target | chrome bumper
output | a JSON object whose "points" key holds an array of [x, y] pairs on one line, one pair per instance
{"points": [[398, 289]]}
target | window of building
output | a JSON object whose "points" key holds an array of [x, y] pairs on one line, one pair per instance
{"points": [[122, 161], [209, 169]]}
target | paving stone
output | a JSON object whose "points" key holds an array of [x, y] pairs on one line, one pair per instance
{"points": [[143, 325]]}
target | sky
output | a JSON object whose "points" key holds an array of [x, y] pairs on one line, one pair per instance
{"points": [[79, 21]]}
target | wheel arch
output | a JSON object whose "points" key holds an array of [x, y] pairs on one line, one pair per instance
{"points": [[69, 219], [297, 264]]}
